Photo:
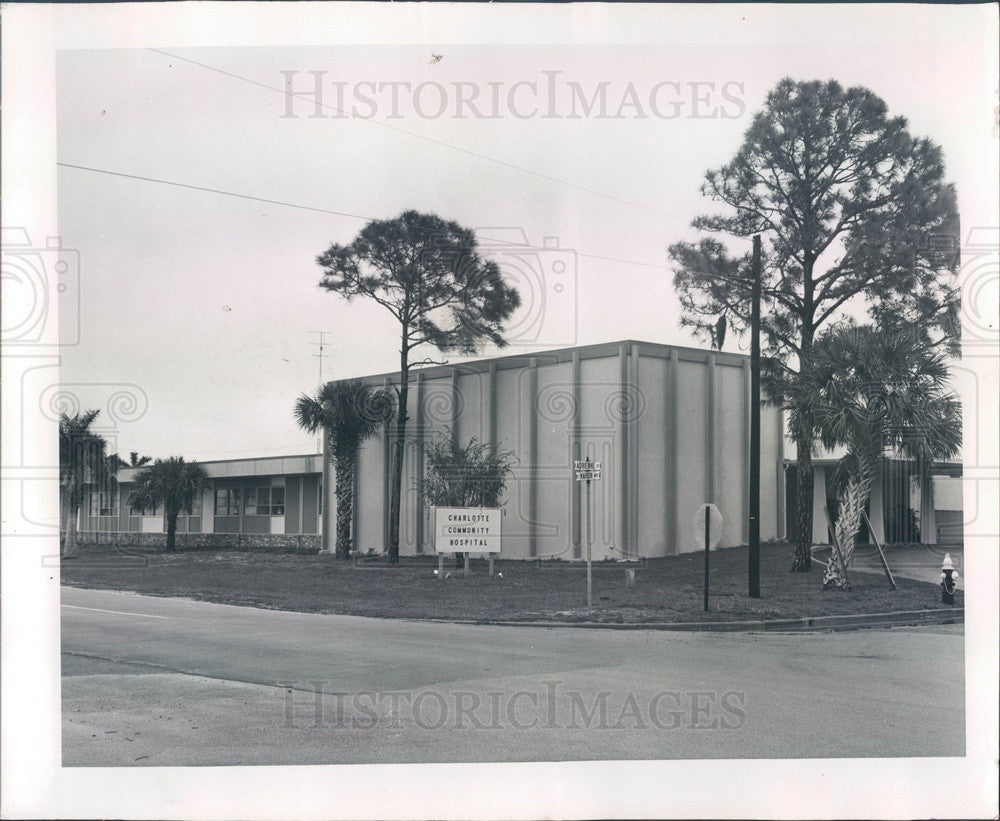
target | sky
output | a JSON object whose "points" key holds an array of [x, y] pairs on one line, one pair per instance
{"points": [[205, 305]]}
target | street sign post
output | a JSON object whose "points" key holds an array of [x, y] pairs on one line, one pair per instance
{"points": [[588, 471], [708, 532]]}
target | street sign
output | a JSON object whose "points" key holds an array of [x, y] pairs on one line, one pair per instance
{"points": [[715, 526], [587, 471]]}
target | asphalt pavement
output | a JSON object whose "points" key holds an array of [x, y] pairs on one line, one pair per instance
{"points": [[159, 681]]}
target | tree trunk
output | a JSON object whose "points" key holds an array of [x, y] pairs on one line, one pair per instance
{"points": [[63, 518], [397, 457], [803, 504], [804, 435], [69, 547], [171, 530], [850, 506], [345, 506]]}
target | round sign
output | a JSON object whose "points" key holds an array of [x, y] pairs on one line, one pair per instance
{"points": [[714, 526]]}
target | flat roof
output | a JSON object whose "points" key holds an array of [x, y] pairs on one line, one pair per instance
{"points": [[557, 355], [250, 466]]}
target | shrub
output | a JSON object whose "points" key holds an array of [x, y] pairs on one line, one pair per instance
{"points": [[472, 475]]}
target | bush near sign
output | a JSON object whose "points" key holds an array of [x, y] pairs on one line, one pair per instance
{"points": [[467, 529]]}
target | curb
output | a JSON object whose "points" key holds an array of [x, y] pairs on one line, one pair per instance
{"points": [[951, 615]]}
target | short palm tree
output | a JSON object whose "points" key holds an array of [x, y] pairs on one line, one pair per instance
{"points": [[351, 411], [83, 463], [173, 483], [873, 390]]}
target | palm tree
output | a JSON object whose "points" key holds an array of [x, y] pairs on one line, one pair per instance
{"points": [[134, 460], [82, 463], [351, 412], [870, 390], [173, 483]]}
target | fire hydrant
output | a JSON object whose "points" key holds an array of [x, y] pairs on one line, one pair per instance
{"points": [[949, 578]]}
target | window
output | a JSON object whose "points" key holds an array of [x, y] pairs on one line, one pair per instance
{"points": [[227, 501], [103, 503], [252, 501], [277, 501], [264, 501], [256, 501], [139, 511]]}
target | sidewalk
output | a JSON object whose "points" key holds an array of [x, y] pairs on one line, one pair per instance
{"points": [[919, 562]]}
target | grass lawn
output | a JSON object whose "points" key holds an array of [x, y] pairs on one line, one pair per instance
{"points": [[668, 589]]}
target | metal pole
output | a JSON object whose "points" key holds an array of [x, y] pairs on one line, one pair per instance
{"points": [[754, 557], [708, 511], [590, 580]]}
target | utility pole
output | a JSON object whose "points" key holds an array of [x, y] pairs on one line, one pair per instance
{"points": [[754, 557]]}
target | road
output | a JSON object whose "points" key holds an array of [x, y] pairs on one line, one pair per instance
{"points": [[157, 681]]}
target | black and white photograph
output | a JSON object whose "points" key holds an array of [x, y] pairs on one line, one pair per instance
{"points": [[500, 410]]}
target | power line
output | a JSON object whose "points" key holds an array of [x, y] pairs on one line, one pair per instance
{"points": [[316, 209], [212, 190], [423, 137]]}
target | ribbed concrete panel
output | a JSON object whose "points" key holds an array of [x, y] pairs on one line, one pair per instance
{"points": [[651, 422], [555, 460], [731, 458], [692, 431]]}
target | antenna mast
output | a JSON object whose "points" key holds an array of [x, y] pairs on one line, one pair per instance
{"points": [[322, 345]]}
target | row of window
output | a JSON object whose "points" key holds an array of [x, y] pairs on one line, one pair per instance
{"points": [[254, 501], [106, 504]]}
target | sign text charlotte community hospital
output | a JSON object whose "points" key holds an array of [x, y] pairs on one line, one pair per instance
{"points": [[467, 530]]}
